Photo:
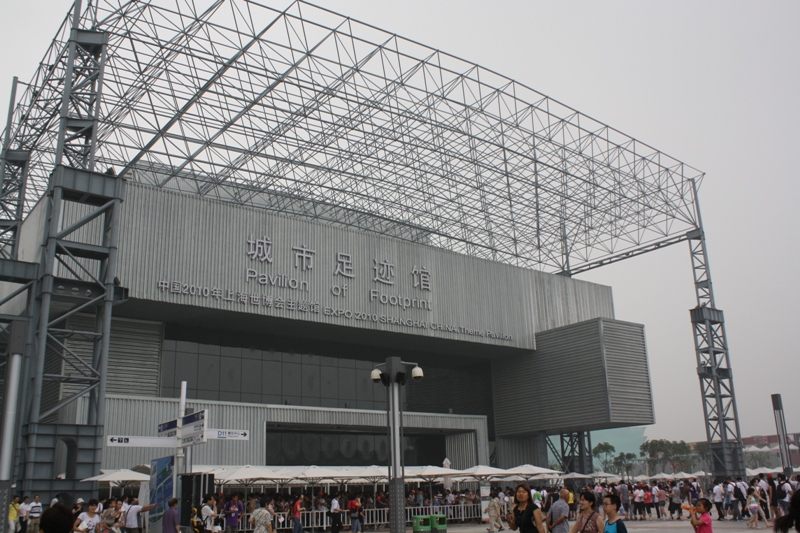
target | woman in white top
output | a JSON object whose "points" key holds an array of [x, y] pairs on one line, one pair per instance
{"points": [[87, 521]]}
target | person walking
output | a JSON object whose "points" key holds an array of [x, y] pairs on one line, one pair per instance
{"points": [[297, 517], [614, 523], [87, 521], [558, 515], [791, 518], [208, 512], [638, 503], [13, 515], [336, 514], [110, 516], [589, 520], [261, 518], [675, 500], [24, 508], [524, 514], [494, 510], [784, 491], [35, 514], [171, 522], [132, 515], [719, 496], [625, 498], [233, 511]]}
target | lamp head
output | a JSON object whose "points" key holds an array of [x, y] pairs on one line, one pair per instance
{"points": [[416, 373]]}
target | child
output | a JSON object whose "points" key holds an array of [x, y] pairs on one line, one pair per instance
{"points": [[614, 523], [702, 523]]}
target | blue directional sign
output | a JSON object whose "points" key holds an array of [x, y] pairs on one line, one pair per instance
{"points": [[168, 429], [193, 428]]}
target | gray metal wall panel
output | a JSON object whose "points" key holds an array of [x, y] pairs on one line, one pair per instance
{"points": [[630, 394], [462, 451], [563, 386], [167, 236], [542, 391], [32, 232], [138, 416], [561, 301], [134, 355], [513, 452]]}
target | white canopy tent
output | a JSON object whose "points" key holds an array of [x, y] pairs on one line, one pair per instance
{"points": [[119, 476]]}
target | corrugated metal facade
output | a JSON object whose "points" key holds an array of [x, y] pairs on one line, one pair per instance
{"points": [[511, 452], [564, 385], [133, 363], [463, 451], [630, 394], [202, 245], [561, 301], [138, 416]]}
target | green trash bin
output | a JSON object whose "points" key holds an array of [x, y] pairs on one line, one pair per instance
{"points": [[439, 523], [422, 523]]}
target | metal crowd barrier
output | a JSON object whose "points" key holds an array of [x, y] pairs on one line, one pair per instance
{"points": [[376, 518]]}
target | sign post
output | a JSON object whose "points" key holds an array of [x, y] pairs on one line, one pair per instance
{"points": [[228, 434], [141, 442], [193, 429], [168, 429]]}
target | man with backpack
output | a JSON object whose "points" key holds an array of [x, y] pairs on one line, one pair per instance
{"points": [[783, 493], [740, 493], [208, 512]]}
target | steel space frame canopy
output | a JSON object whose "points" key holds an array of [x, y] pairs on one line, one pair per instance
{"points": [[308, 112], [312, 113]]}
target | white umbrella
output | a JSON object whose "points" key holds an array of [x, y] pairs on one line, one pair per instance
{"points": [[700, 473], [681, 475], [531, 470], [545, 477], [483, 472], [373, 473], [600, 474], [641, 478], [431, 472], [573, 475], [314, 474], [662, 475], [247, 474], [120, 476]]}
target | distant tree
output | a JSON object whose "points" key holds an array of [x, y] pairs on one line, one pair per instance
{"points": [[657, 453], [680, 457], [623, 464], [757, 459], [703, 454], [604, 452]]}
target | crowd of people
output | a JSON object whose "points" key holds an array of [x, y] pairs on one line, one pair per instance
{"points": [[590, 509], [603, 507], [95, 516]]}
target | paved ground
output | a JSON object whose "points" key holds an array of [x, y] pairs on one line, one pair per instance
{"points": [[653, 526]]}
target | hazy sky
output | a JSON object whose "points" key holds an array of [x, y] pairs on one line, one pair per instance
{"points": [[714, 84]]}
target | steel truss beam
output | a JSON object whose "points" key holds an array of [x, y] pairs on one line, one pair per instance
{"points": [[305, 110]]}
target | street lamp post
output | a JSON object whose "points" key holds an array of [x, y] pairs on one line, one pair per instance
{"points": [[393, 377]]}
